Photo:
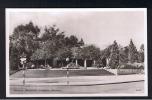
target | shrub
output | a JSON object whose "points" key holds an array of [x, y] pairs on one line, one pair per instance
{"points": [[73, 65], [29, 64], [132, 66]]}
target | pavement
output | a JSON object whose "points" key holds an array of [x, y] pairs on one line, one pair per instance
{"points": [[78, 80]]}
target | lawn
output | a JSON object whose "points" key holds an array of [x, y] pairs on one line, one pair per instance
{"points": [[44, 73]]}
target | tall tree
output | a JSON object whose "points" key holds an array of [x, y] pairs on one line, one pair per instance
{"points": [[14, 59], [141, 53], [81, 42], [90, 52], [133, 54], [123, 55], [51, 44], [114, 56], [76, 52], [63, 53], [72, 41], [23, 40], [23, 37], [46, 51], [50, 32], [142, 48]]}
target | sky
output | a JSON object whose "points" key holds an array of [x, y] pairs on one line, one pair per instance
{"points": [[100, 28]]}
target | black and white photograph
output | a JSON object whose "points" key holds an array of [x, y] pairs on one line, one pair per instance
{"points": [[76, 52]]}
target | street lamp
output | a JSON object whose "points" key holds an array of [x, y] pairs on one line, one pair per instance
{"points": [[23, 61], [67, 60]]}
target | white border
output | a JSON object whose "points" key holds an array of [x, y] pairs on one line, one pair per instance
{"points": [[145, 53], [8, 10]]}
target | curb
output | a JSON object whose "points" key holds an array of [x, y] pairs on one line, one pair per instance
{"points": [[105, 83], [84, 84]]}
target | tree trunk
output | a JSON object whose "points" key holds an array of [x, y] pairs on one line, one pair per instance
{"points": [[76, 62], [85, 63], [45, 62], [62, 63], [129, 58], [94, 62], [36, 65], [107, 62], [54, 62]]}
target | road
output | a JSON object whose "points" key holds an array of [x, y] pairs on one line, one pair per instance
{"points": [[132, 87]]}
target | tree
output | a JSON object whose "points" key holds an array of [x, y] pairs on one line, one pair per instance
{"points": [[14, 58], [142, 48], [63, 53], [90, 52], [51, 44], [76, 52], [106, 52], [114, 56], [23, 37], [81, 42], [46, 51], [40, 54], [72, 41], [50, 32], [29, 29], [133, 54], [123, 55], [141, 54], [23, 40]]}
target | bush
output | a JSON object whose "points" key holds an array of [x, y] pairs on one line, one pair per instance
{"points": [[29, 65], [99, 65], [72, 66], [132, 66]]}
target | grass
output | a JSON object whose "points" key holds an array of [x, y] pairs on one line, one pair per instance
{"points": [[39, 73], [13, 72]]}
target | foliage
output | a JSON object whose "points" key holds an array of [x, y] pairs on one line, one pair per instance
{"points": [[141, 57], [114, 56], [49, 33], [53, 43], [123, 55], [73, 66], [81, 42], [29, 64], [40, 54], [106, 52], [142, 48], [132, 66], [13, 57], [63, 53], [76, 52], [23, 38], [133, 54], [90, 52], [141, 54]]}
